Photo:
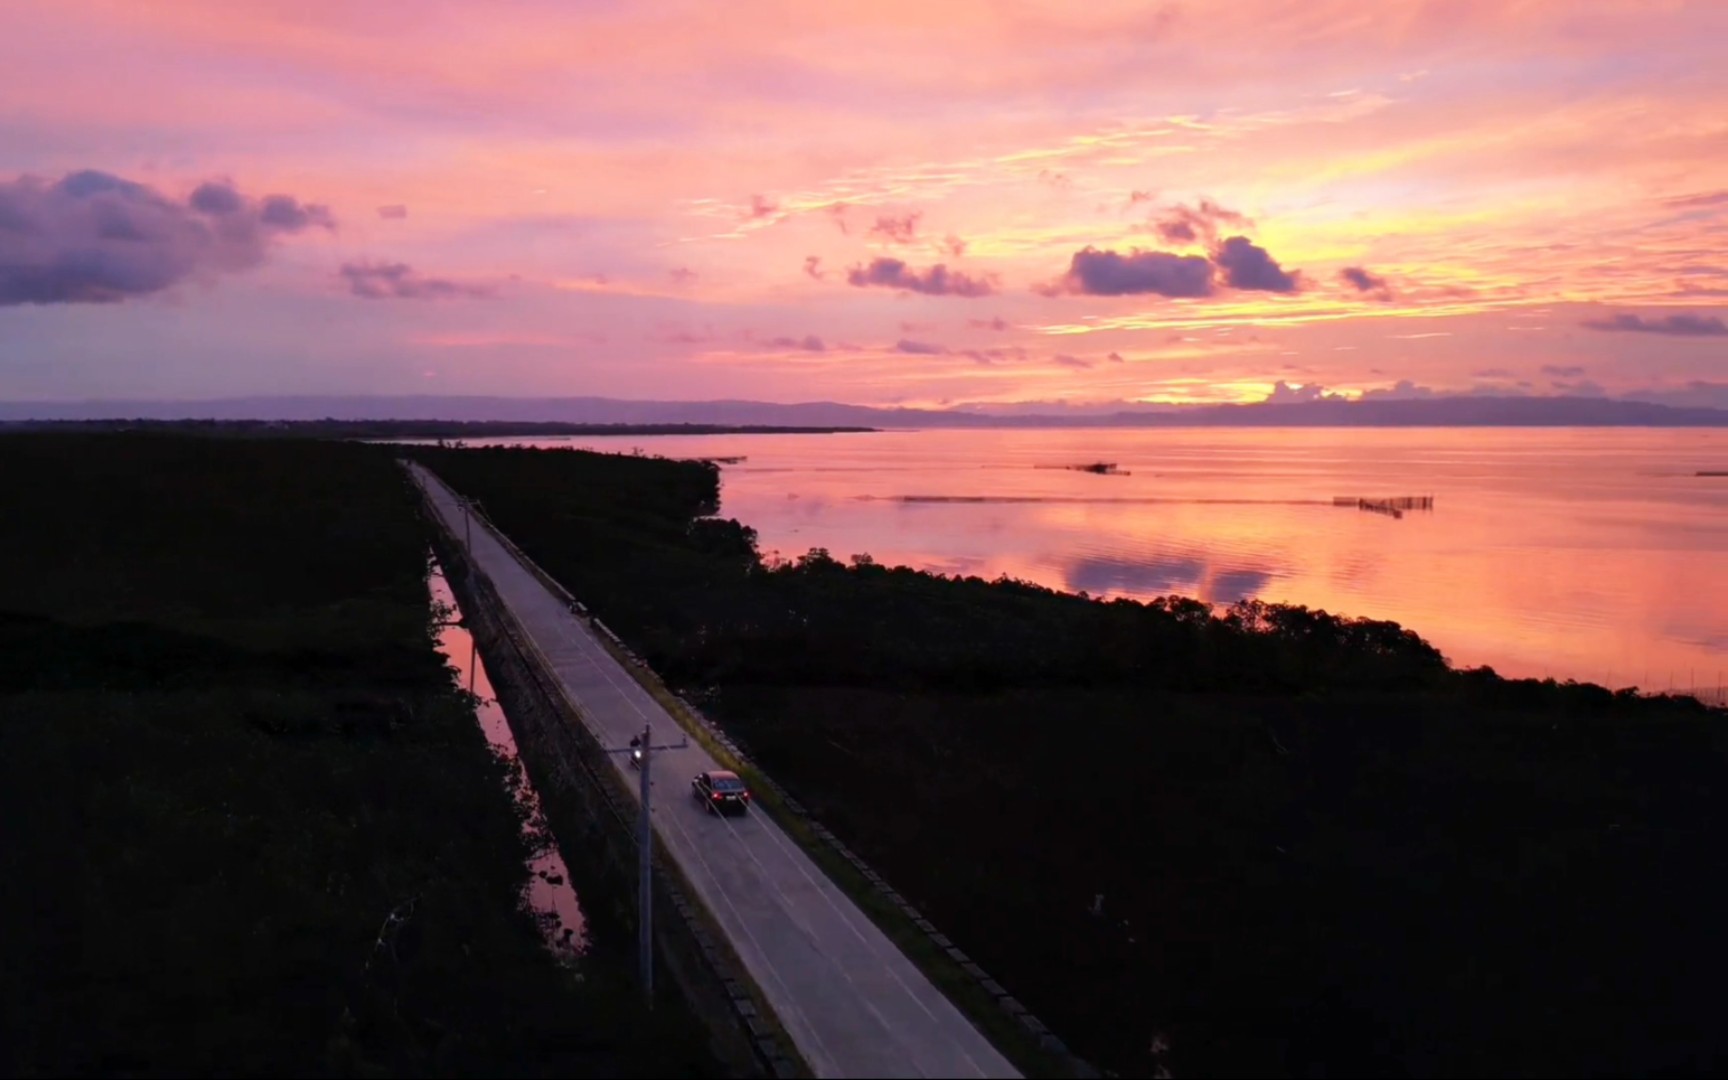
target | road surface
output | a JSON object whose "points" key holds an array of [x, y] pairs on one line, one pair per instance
{"points": [[851, 1001]]}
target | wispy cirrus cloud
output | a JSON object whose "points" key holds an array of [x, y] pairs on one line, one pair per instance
{"points": [[807, 343], [897, 228], [997, 354], [1675, 325], [936, 281], [399, 281], [918, 348], [1693, 202], [685, 337]]}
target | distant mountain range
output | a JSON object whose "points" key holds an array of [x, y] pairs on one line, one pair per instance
{"points": [[1421, 412]]}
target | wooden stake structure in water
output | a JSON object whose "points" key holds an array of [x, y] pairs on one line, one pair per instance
{"points": [[1392, 506]]}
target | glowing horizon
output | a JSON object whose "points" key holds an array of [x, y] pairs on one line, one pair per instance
{"points": [[885, 203]]}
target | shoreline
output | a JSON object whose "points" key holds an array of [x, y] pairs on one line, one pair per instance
{"points": [[405, 430]]}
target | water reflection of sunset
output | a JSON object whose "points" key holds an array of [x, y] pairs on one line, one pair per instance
{"points": [[550, 894], [1593, 554]]}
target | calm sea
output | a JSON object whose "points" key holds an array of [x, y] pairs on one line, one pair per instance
{"points": [[1595, 554]]}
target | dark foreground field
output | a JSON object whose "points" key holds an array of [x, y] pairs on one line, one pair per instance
{"points": [[250, 824], [1321, 851]]}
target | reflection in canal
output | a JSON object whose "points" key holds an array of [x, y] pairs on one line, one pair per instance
{"points": [[550, 895]]}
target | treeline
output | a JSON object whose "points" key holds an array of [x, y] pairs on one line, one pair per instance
{"points": [[252, 827], [637, 539], [1267, 841], [397, 429]]}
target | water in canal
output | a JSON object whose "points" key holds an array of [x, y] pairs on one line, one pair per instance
{"points": [[550, 895]]}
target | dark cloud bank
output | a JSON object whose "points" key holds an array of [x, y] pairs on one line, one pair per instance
{"points": [[1237, 263], [1233, 262], [1247, 265], [93, 238], [1093, 272], [1366, 282]]}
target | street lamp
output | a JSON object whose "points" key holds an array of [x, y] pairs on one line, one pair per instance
{"points": [[645, 854]]}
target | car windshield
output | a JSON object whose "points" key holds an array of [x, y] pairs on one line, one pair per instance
{"points": [[728, 783]]}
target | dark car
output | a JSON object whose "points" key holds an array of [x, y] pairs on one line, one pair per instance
{"points": [[721, 791]]}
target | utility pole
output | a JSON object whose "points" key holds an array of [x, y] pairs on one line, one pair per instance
{"points": [[645, 856]]}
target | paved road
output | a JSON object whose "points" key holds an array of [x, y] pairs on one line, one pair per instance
{"points": [[850, 999]]}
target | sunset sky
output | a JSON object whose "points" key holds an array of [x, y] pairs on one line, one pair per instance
{"points": [[939, 202]]}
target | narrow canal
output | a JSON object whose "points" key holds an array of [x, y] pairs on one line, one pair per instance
{"points": [[550, 895]]}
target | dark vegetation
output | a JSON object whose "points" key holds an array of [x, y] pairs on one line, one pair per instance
{"points": [[398, 429], [1321, 851], [250, 824]]}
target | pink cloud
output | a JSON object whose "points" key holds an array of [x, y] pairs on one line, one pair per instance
{"points": [[896, 229], [746, 145], [399, 281], [1181, 224], [1093, 272], [1678, 325], [936, 281]]}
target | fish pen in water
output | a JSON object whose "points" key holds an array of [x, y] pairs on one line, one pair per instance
{"points": [[1393, 506]]}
